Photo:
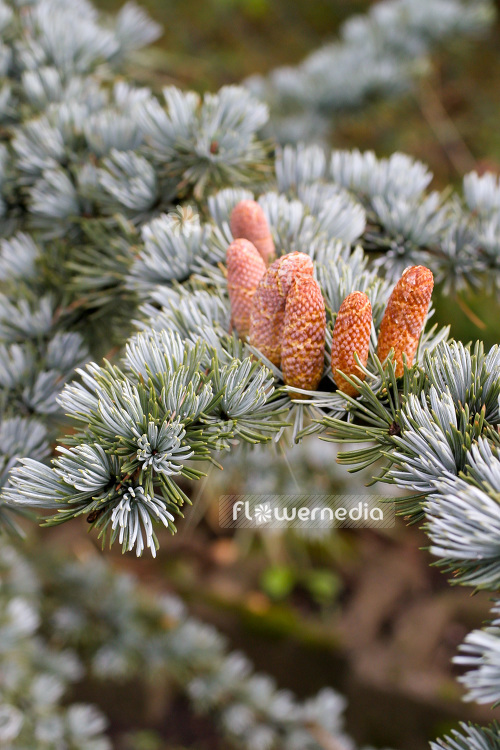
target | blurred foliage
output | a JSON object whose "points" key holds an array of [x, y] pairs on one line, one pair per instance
{"points": [[279, 581], [212, 42]]}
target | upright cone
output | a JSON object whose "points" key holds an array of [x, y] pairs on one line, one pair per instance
{"points": [[245, 269], [268, 304], [303, 342], [405, 315], [248, 221], [351, 335]]}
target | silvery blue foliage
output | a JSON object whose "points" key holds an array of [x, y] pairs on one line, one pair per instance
{"points": [[397, 176], [471, 376], [481, 198], [18, 256], [35, 675], [23, 321], [19, 437], [481, 651], [110, 129], [142, 427], [171, 249], [54, 203], [184, 313], [134, 510], [134, 29], [196, 376], [470, 737], [31, 377], [462, 518], [428, 426], [247, 706], [129, 183], [210, 139]]}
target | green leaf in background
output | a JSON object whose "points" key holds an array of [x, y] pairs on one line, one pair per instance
{"points": [[323, 585], [278, 581]]}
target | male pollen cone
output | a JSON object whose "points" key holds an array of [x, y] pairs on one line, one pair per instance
{"points": [[351, 335], [249, 222], [405, 315], [268, 304], [245, 268], [303, 344]]}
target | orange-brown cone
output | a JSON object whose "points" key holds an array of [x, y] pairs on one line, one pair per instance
{"points": [[405, 315], [303, 343], [351, 335], [268, 304], [245, 268], [249, 221]]}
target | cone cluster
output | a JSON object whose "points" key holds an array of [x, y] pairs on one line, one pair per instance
{"points": [[281, 310]]}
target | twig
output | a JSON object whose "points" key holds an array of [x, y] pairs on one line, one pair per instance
{"points": [[445, 130], [470, 313]]}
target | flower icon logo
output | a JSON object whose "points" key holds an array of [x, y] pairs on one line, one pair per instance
{"points": [[262, 513]]}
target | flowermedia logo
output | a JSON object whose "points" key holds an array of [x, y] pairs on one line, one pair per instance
{"points": [[263, 513], [306, 511]]}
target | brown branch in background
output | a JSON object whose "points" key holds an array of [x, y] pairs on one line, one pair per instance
{"points": [[448, 135], [470, 313], [112, 352]]}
